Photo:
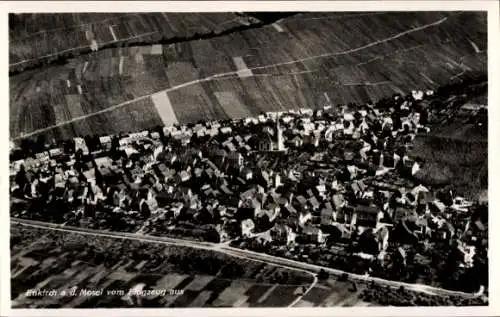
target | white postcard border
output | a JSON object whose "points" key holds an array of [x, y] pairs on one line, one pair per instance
{"points": [[194, 6]]}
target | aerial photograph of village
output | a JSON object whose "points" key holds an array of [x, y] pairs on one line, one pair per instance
{"points": [[248, 159]]}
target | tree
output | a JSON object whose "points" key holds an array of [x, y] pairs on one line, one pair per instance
{"points": [[323, 275], [344, 277], [21, 178], [69, 146], [27, 147], [89, 142], [97, 142], [115, 143], [353, 288], [40, 143]]}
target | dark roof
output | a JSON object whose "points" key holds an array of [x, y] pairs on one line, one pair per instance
{"points": [[310, 230], [366, 209], [302, 200], [249, 193], [355, 187], [325, 212], [425, 197], [348, 155], [263, 136], [291, 209], [314, 201], [225, 189], [403, 213], [338, 200], [361, 185], [479, 224]]}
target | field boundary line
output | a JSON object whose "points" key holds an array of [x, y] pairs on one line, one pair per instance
{"points": [[359, 48], [298, 299], [74, 26], [79, 48], [221, 75], [241, 253]]}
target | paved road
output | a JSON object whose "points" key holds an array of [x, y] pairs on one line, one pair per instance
{"points": [[219, 247], [246, 254]]}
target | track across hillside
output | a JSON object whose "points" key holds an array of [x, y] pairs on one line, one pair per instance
{"points": [[294, 63]]}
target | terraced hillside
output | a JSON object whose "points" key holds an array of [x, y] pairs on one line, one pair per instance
{"points": [[42, 38], [307, 60]]}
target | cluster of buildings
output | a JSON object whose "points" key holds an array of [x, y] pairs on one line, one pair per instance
{"points": [[327, 177]]}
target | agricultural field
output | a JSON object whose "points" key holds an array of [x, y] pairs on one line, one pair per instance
{"points": [[43, 259], [305, 60], [335, 293], [38, 38]]}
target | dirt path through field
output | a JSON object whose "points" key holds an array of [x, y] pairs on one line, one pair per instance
{"points": [[242, 253], [73, 26], [232, 73], [81, 47]]}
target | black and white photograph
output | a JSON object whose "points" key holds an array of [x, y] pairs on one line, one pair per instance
{"points": [[248, 159]]}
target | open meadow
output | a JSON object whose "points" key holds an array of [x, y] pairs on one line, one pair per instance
{"points": [[304, 60]]}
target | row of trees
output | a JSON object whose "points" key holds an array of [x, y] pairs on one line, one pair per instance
{"points": [[161, 259], [402, 297], [443, 269]]}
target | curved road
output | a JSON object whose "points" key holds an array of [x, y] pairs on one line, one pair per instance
{"points": [[246, 254]]}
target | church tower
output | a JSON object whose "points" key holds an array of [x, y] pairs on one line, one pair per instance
{"points": [[280, 146]]}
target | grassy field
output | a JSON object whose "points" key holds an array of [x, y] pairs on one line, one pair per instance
{"points": [[288, 67]]}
